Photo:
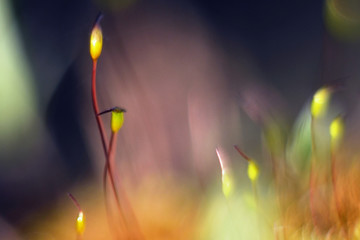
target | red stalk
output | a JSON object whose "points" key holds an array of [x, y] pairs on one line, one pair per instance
{"points": [[96, 109], [109, 166], [103, 136], [75, 201], [242, 153], [109, 153]]}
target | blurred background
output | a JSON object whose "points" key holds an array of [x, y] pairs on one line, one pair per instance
{"points": [[193, 75]]}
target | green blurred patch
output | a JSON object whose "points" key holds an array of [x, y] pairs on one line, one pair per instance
{"points": [[298, 151], [342, 19], [17, 97]]}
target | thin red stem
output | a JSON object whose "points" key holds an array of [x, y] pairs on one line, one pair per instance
{"points": [[102, 132], [109, 168], [75, 201], [99, 122], [109, 153], [104, 141], [108, 171], [242, 153]]}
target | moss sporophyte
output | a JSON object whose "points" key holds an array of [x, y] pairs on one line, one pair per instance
{"points": [[293, 194], [128, 227]]}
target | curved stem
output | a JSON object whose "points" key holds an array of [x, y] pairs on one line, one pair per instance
{"points": [[75, 201], [96, 109], [108, 171], [129, 219], [101, 128], [242, 153], [109, 153], [104, 142], [110, 166]]}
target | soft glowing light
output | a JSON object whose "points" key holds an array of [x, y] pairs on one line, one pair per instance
{"points": [[96, 40], [337, 130], [342, 19], [227, 179], [117, 119], [320, 102], [17, 96], [357, 230], [227, 184], [220, 161], [80, 223], [253, 171]]}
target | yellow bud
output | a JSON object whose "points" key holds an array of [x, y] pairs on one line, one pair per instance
{"points": [[96, 41], [337, 130], [80, 223], [117, 119], [320, 102], [253, 171], [227, 184]]}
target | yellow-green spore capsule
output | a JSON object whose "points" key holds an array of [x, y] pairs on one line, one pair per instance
{"points": [[227, 184], [117, 119], [337, 130], [320, 102], [253, 171], [80, 223], [96, 42]]}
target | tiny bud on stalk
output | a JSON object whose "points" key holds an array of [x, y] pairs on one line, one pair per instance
{"points": [[253, 171], [117, 119], [337, 128], [96, 40], [80, 220], [320, 102], [80, 223]]}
